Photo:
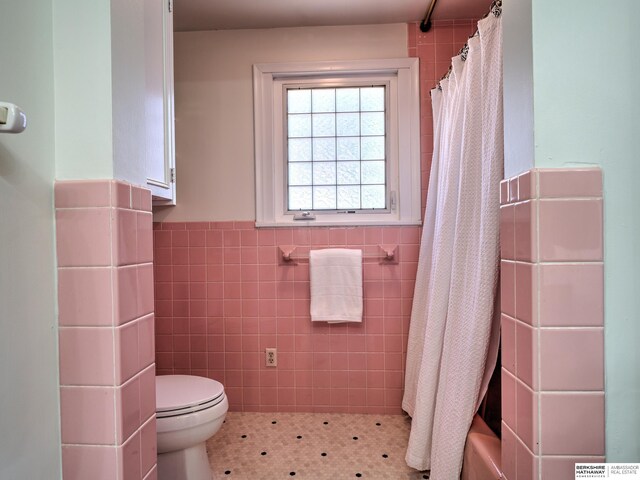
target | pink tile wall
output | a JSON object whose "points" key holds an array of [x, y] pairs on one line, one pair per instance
{"points": [[106, 334], [552, 323], [222, 297]]}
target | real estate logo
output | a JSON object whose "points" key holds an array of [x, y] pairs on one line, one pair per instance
{"points": [[607, 470]]}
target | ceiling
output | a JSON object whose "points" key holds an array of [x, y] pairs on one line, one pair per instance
{"points": [[191, 15]]}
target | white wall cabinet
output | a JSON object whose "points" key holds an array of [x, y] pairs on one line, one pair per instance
{"points": [[159, 107]]}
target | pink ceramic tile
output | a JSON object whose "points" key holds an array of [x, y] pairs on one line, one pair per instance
{"points": [[125, 242], [86, 356], [526, 293], [507, 232], [83, 237], [120, 194], [144, 237], [527, 354], [526, 462], [572, 359], [88, 415], [508, 461], [130, 455], [148, 445], [85, 296], [508, 288], [146, 344], [136, 197], [153, 474], [527, 416], [527, 186], [513, 189], [89, 461], [82, 194], [126, 294], [144, 302], [526, 231], [564, 467], [231, 238], [572, 423], [570, 230], [147, 380], [574, 182], [508, 392], [571, 295], [145, 200], [126, 347], [128, 409], [508, 343]]}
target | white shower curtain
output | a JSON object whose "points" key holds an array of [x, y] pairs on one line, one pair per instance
{"points": [[453, 336]]}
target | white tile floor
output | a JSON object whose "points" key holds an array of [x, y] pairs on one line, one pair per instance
{"points": [[311, 446]]}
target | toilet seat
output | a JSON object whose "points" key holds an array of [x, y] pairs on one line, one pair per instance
{"points": [[184, 394]]}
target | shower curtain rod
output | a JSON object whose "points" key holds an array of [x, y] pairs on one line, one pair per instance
{"points": [[425, 25], [496, 10]]}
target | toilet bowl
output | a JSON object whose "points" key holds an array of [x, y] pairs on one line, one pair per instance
{"points": [[189, 411]]}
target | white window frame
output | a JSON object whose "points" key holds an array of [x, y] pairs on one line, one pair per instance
{"points": [[403, 138]]}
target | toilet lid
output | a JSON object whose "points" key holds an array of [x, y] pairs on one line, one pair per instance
{"points": [[181, 394]]}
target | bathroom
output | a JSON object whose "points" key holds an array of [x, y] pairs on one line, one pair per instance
{"points": [[553, 55]]}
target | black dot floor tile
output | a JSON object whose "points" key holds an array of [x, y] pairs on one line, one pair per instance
{"points": [[311, 446]]}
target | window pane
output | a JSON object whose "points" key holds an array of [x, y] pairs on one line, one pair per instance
{"points": [[348, 100], [324, 173], [336, 160], [300, 173], [299, 101], [324, 149], [348, 148], [373, 196], [299, 149], [324, 125], [324, 100], [348, 197], [372, 99], [373, 172], [347, 124], [348, 173], [300, 198], [372, 123], [299, 125], [372, 148], [324, 198]]}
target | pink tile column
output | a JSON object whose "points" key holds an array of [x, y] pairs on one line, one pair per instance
{"points": [[552, 323], [106, 334]]}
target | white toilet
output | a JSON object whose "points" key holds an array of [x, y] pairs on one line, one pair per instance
{"points": [[189, 410]]}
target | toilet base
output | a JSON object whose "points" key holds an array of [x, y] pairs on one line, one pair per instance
{"points": [[189, 464]]}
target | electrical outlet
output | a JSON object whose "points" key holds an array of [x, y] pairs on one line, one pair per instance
{"points": [[271, 357]]}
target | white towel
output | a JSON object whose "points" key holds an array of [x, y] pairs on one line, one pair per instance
{"points": [[336, 285]]}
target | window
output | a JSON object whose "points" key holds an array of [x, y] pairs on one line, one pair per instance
{"points": [[337, 143]]}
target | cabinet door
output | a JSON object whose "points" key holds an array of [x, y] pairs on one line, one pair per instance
{"points": [[160, 151]]}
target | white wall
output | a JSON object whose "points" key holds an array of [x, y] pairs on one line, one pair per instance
{"points": [[517, 87], [586, 72], [29, 422], [83, 89], [214, 106], [104, 94]]}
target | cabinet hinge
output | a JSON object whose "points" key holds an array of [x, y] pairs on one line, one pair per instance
{"points": [[170, 3], [172, 174]]}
